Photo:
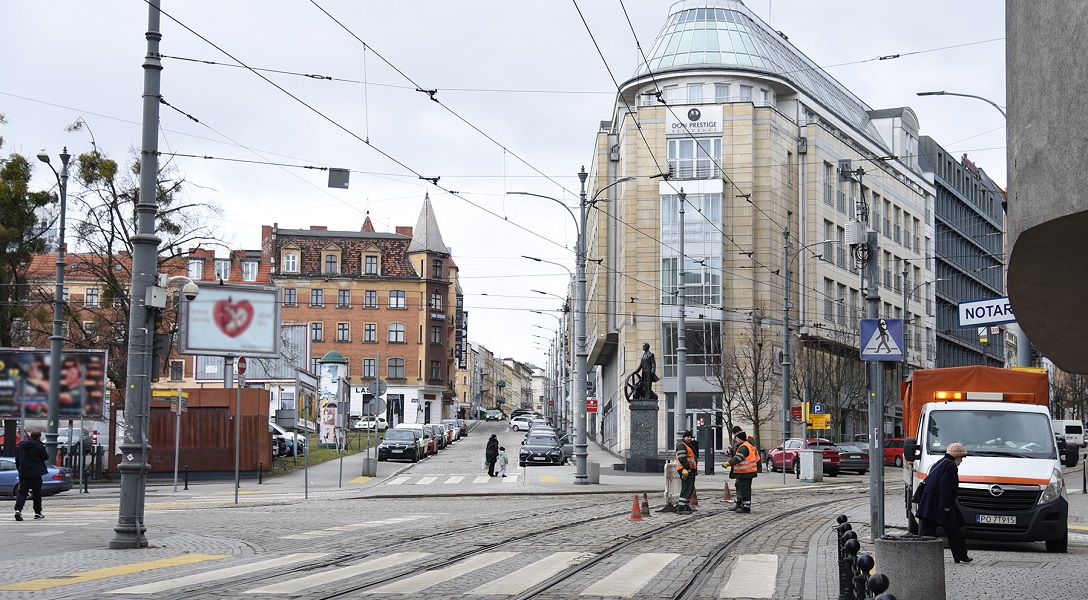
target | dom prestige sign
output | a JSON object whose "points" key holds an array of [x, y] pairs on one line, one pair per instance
{"points": [[229, 320]]}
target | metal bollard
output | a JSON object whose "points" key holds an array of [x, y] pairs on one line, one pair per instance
{"points": [[186, 476], [851, 548], [843, 529], [1084, 475], [862, 565], [260, 473], [878, 584]]}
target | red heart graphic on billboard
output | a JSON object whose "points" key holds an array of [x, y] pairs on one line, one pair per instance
{"points": [[233, 318]]}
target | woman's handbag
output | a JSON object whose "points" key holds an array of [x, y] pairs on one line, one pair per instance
{"points": [[917, 496]]}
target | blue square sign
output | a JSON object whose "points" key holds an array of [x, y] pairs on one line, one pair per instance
{"points": [[881, 339]]}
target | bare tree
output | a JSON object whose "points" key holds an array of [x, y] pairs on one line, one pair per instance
{"points": [[828, 370], [752, 379]]}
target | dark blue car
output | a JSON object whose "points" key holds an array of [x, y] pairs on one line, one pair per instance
{"points": [[57, 480]]}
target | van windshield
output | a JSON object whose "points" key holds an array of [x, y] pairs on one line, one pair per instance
{"points": [[991, 433]]}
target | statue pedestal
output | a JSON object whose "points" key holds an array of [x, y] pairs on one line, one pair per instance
{"points": [[643, 457]]}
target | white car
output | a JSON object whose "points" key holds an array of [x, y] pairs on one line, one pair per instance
{"points": [[295, 443], [521, 423], [372, 424]]}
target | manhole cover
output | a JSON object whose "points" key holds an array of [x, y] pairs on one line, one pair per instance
{"points": [[1011, 564]]}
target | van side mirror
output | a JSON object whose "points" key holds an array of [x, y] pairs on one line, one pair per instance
{"points": [[1060, 440], [911, 451]]}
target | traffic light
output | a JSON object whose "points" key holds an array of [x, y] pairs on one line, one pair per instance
{"points": [[160, 344]]}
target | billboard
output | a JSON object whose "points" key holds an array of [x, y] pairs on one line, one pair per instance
{"points": [[24, 382], [231, 320]]}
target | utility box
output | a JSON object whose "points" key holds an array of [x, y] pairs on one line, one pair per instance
{"points": [[812, 465]]}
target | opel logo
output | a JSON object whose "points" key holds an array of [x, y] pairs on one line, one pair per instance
{"points": [[995, 490], [694, 114]]}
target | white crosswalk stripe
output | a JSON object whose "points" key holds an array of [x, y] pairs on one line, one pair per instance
{"points": [[752, 577], [512, 477], [418, 583], [455, 479], [326, 577], [328, 531], [219, 575], [530, 575], [628, 579]]}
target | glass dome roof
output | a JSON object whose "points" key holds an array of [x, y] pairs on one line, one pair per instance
{"points": [[725, 34]]}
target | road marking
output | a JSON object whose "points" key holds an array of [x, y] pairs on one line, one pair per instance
{"points": [[752, 577], [397, 481], [627, 580], [455, 479], [52, 582], [548, 479], [481, 479], [511, 478], [428, 579], [530, 575], [241, 493], [361, 479], [426, 480], [227, 573], [324, 577]]}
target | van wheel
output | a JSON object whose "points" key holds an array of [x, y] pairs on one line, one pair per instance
{"points": [[1059, 545], [899, 461]]}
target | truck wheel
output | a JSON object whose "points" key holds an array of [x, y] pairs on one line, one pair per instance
{"points": [[912, 523], [1059, 545]]}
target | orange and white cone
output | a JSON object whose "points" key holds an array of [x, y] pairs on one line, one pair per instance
{"points": [[636, 510], [728, 495], [645, 509]]}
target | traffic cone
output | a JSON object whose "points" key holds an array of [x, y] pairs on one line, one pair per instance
{"points": [[694, 499], [645, 505], [728, 495], [636, 511]]}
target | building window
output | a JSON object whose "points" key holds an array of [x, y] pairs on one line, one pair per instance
{"points": [[396, 333], [370, 299], [343, 332], [315, 332], [765, 97], [396, 299], [721, 92], [695, 158], [695, 93], [436, 300], [436, 334], [290, 298], [249, 270], [343, 298], [745, 93], [315, 365], [368, 368], [436, 269], [177, 370], [370, 332], [317, 297], [196, 269], [370, 264], [331, 262], [90, 331], [395, 369], [222, 269], [436, 370], [290, 262], [91, 297]]}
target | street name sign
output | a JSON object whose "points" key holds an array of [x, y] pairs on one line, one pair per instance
{"points": [[992, 311]]}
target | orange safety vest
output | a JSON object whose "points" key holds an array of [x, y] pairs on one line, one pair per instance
{"points": [[691, 458], [750, 462]]}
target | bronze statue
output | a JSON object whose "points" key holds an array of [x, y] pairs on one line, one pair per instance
{"points": [[639, 384]]}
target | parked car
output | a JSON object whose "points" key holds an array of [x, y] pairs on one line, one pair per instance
{"points": [[399, 444], [371, 423], [520, 423], [294, 443], [517, 412], [853, 457], [430, 445], [788, 455], [80, 440], [463, 424], [493, 415], [893, 451], [439, 434], [455, 429], [57, 480], [540, 450]]}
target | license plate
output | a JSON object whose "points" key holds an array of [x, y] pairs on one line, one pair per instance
{"points": [[540, 458], [995, 519], [397, 451]]}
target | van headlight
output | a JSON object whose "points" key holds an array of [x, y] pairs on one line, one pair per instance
{"points": [[1053, 489]]}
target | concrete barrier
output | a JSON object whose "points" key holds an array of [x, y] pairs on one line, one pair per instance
{"points": [[914, 565], [593, 472]]}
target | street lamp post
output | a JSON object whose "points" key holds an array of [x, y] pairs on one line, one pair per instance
{"points": [[57, 339], [904, 365], [986, 100], [562, 388], [561, 416]]}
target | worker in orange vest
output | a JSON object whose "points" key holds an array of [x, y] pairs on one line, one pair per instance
{"points": [[688, 466], [744, 465]]}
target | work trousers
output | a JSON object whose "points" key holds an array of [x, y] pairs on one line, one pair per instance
{"points": [[956, 542], [687, 487], [744, 489]]}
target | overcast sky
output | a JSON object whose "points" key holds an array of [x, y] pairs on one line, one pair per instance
{"points": [[523, 86]]}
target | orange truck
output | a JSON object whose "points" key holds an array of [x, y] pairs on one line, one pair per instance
{"points": [[1011, 483]]}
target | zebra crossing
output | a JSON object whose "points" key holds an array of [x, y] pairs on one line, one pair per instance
{"points": [[313, 534], [751, 576], [412, 479]]}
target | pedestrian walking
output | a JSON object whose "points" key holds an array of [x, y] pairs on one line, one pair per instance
{"points": [[491, 454], [30, 459], [743, 466], [937, 507], [688, 466], [502, 461]]}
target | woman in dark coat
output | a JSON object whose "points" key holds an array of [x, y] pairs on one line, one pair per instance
{"points": [[491, 454], [937, 507]]}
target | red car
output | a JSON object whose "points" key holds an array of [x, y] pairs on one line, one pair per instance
{"points": [[788, 455], [893, 451]]}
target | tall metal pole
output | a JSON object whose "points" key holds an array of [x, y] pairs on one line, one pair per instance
{"points": [[876, 403], [787, 430], [579, 382], [903, 366], [130, 529], [57, 339], [177, 441], [681, 415]]}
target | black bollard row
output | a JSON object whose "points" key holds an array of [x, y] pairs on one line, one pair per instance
{"points": [[843, 528], [855, 583]]}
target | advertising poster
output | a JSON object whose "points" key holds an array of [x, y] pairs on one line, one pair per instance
{"points": [[24, 382], [231, 320]]}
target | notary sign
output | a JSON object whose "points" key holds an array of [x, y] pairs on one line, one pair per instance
{"points": [[992, 311]]}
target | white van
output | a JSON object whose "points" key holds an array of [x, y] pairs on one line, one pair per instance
{"points": [[1073, 432]]}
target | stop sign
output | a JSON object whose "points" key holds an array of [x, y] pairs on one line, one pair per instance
{"points": [[241, 365]]}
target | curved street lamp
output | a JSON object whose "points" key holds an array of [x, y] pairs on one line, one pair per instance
{"points": [[57, 339], [986, 100], [903, 365]]}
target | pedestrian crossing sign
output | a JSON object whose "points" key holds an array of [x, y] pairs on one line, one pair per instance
{"points": [[882, 339]]}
